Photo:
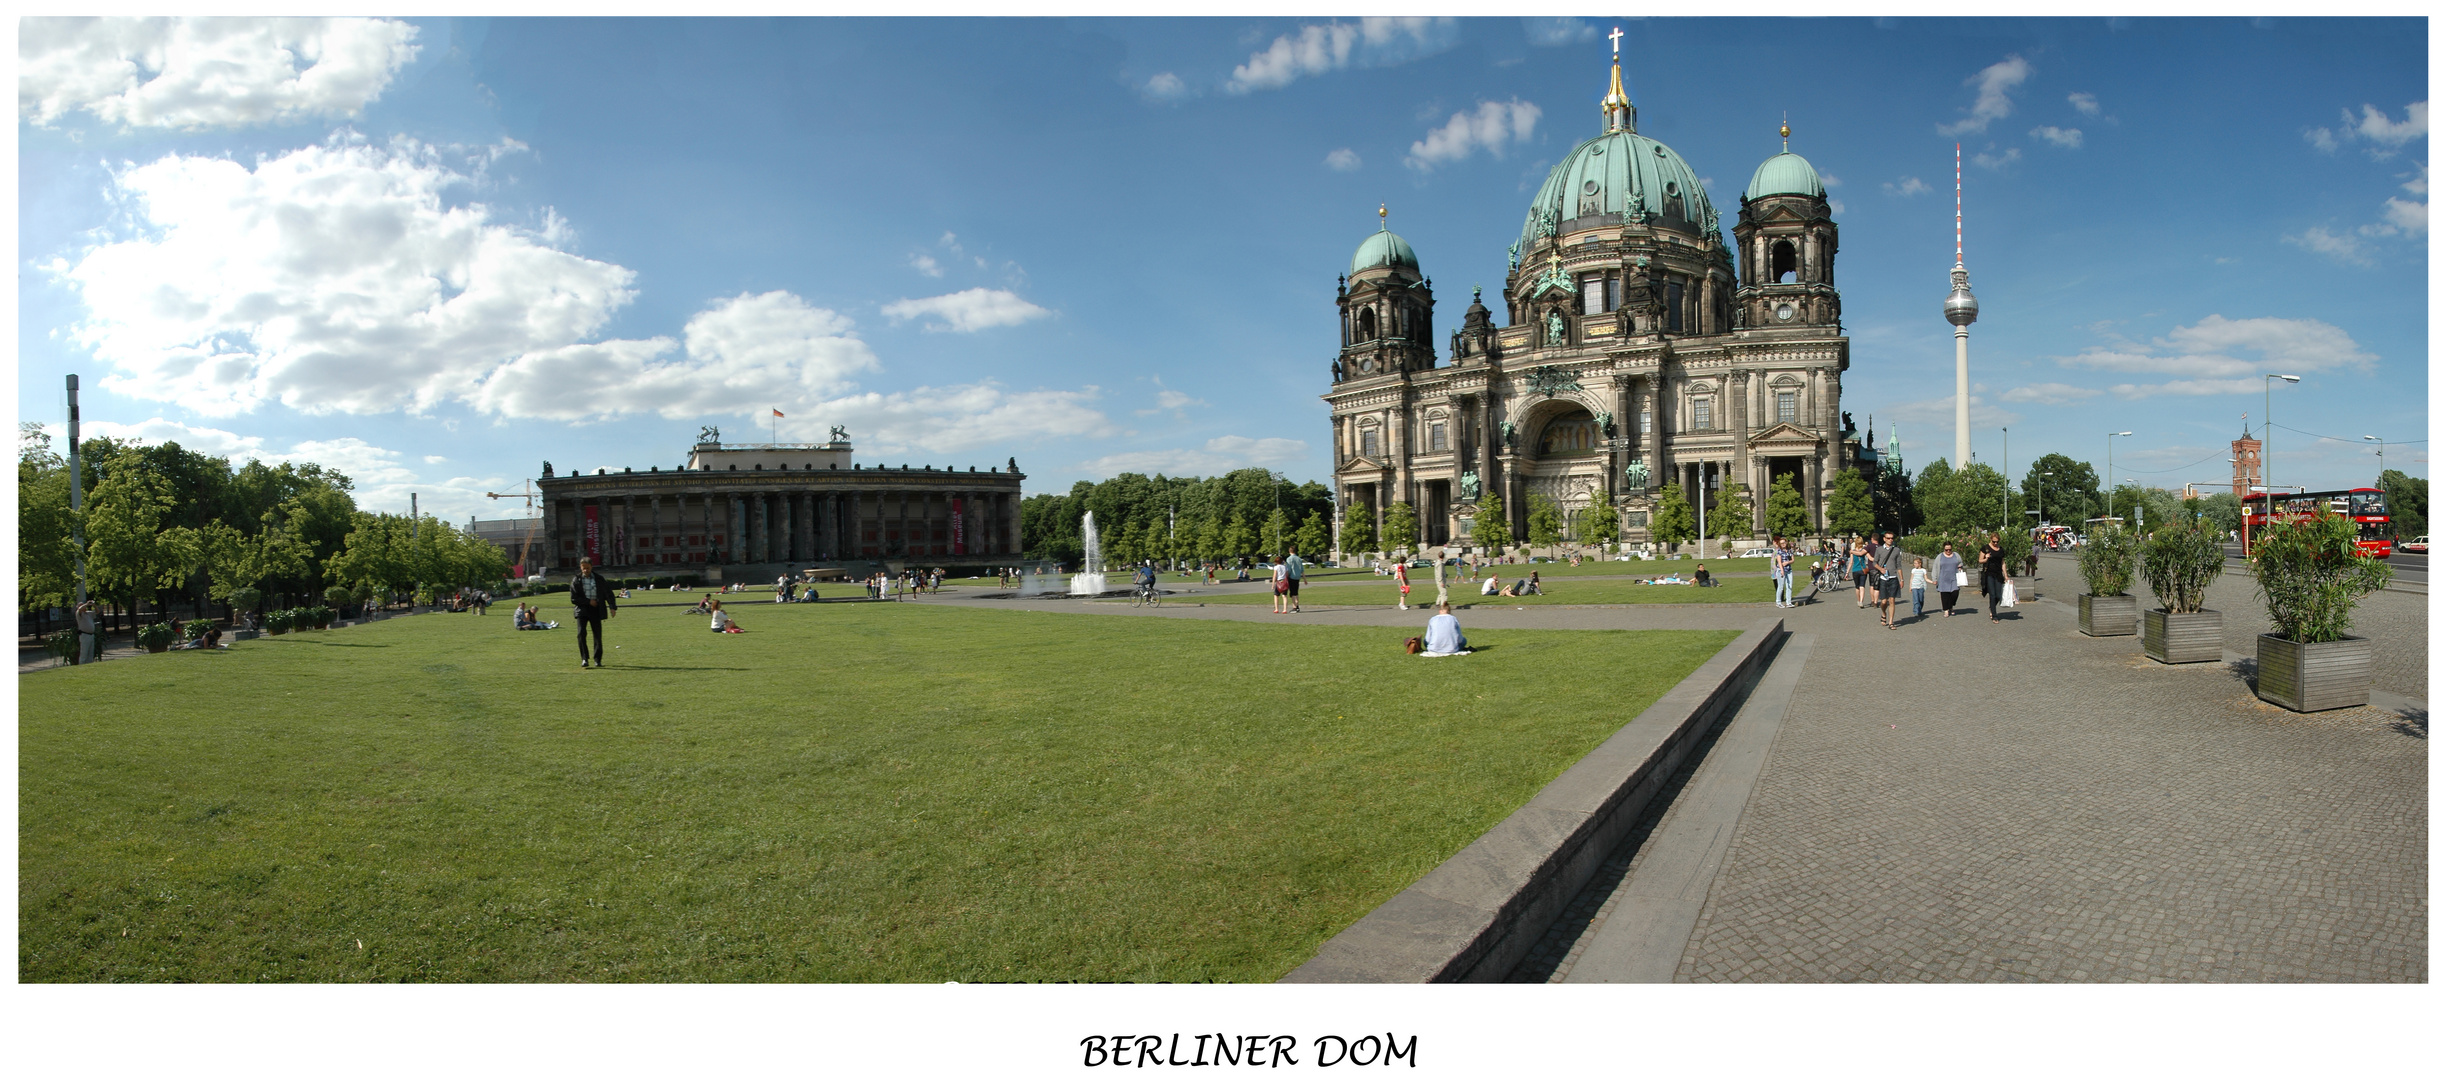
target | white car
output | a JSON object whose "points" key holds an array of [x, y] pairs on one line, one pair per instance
{"points": [[2419, 545]]}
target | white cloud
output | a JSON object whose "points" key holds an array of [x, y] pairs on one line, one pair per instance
{"points": [[2374, 126], [2344, 247], [2084, 103], [202, 440], [967, 311], [1995, 82], [2050, 393], [2411, 217], [205, 73], [1997, 161], [1825, 179], [2067, 138], [435, 459], [1165, 86], [1343, 160], [1835, 205], [330, 278], [1218, 456], [1318, 49], [2219, 355], [958, 419], [1557, 31], [743, 354], [926, 265], [1495, 125], [1911, 185], [2418, 181]]}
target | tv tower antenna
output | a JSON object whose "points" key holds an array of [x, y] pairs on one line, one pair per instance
{"points": [[1961, 310]]}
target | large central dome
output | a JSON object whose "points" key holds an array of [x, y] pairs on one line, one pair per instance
{"points": [[1605, 174]]}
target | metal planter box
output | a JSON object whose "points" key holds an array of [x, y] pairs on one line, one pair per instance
{"points": [[2315, 676], [2109, 616], [2193, 638]]}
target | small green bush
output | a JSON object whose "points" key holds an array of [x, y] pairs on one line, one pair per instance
{"points": [[338, 596], [198, 628], [2178, 562], [279, 622], [2109, 552], [2311, 574], [154, 635], [62, 644]]}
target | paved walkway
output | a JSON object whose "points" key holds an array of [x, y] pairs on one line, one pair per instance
{"points": [[1960, 800]]}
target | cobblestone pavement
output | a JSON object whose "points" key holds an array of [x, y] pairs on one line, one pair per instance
{"points": [[2014, 802]]}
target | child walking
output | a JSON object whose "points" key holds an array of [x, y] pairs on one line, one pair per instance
{"points": [[1920, 586]]}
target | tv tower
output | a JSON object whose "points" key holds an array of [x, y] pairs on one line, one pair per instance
{"points": [[1961, 310]]}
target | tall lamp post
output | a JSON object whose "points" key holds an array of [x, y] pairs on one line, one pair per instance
{"points": [[2383, 450], [2268, 425], [2005, 461], [2112, 436]]}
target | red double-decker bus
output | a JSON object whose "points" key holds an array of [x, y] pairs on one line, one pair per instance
{"points": [[2368, 507]]}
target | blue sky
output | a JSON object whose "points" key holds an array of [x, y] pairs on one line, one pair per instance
{"points": [[434, 253]]}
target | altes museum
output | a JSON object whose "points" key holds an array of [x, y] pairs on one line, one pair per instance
{"points": [[750, 508], [1636, 350]]}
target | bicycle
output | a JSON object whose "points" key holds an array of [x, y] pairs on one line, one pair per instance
{"points": [[1147, 596]]}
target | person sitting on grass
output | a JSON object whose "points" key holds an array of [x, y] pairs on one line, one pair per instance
{"points": [[1700, 578], [1493, 586], [722, 621], [1533, 586], [1444, 634], [525, 619]]}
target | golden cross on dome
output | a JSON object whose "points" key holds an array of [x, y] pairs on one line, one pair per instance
{"points": [[1617, 37]]}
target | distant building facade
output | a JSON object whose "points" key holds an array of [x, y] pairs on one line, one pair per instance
{"points": [[1636, 351], [743, 505]]}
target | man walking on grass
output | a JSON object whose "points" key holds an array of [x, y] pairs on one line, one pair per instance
{"points": [[1292, 569], [592, 598]]}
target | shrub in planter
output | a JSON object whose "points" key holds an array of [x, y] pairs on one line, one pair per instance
{"points": [[318, 615], [279, 622], [155, 637], [2108, 554], [197, 628], [2179, 562], [62, 644], [2310, 575]]}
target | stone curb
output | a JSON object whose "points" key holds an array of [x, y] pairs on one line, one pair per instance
{"points": [[1473, 918]]}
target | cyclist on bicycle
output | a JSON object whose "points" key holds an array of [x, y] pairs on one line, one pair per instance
{"points": [[1146, 578]]}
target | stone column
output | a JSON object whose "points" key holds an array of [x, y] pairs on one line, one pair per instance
{"points": [[1740, 465]]}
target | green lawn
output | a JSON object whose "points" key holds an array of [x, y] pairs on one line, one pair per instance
{"points": [[845, 793], [1380, 592]]}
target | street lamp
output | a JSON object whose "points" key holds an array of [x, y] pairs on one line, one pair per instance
{"points": [[2005, 503], [2043, 497], [2269, 425], [2383, 450], [2112, 436]]}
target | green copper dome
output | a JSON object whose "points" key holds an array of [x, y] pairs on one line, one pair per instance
{"points": [[1785, 174], [1383, 248], [1606, 174]]}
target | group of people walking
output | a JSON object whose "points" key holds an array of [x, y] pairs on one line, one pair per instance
{"points": [[1881, 570]]}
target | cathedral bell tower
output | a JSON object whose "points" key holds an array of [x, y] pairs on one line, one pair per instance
{"points": [[1786, 237], [1388, 310]]}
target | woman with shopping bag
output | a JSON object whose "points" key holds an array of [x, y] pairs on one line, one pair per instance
{"points": [[1992, 574]]}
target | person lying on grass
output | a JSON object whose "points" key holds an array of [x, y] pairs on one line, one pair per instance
{"points": [[1444, 634], [210, 640]]}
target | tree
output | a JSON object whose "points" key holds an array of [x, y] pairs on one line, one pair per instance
{"points": [[1599, 523], [2222, 511], [1933, 495], [1848, 511], [1313, 536], [1239, 540], [1976, 499], [1401, 527], [1545, 521], [46, 553], [1278, 532], [2408, 504], [1732, 516], [1786, 514], [1490, 531], [1358, 531], [2069, 495], [1671, 520], [129, 551]]}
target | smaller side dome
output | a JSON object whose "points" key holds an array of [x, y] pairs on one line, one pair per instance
{"points": [[1785, 174], [1384, 248]]}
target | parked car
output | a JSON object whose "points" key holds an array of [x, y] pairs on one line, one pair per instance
{"points": [[2419, 545]]}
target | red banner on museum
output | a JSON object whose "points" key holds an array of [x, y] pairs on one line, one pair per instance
{"points": [[593, 545], [960, 539]]}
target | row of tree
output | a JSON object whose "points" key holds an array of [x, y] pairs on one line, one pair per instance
{"points": [[1180, 520], [162, 523]]}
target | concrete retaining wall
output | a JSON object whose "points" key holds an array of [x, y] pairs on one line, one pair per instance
{"points": [[1473, 918]]}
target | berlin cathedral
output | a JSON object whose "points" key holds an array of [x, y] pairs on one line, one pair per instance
{"points": [[1633, 352]]}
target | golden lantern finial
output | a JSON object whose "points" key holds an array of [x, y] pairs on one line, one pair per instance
{"points": [[1380, 215], [1785, 132]]}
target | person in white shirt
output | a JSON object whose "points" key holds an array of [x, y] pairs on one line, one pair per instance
{"points": [[722, 620], [1920, 586], [1444, 634]]}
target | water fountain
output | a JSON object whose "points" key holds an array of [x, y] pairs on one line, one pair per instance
{"points": [[1090, 580]]}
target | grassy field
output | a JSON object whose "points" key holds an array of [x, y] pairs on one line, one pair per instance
{"points": [[845, 793], [1380, 592]]}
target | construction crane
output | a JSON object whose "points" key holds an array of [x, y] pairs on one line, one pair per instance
{"points": [[526, 543]]}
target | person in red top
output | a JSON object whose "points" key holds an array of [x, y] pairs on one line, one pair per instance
{"points": [[1401, 577]]}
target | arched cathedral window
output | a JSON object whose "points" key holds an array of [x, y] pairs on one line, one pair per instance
{"points": [[1783, 265]]}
